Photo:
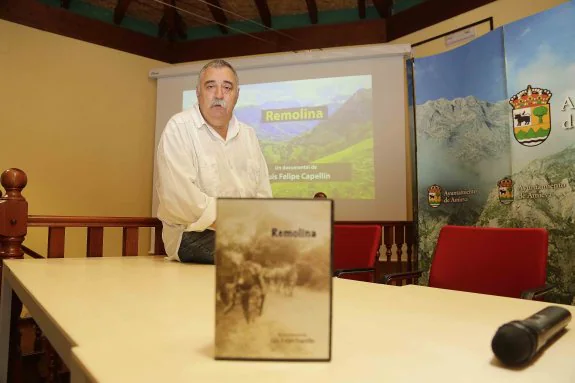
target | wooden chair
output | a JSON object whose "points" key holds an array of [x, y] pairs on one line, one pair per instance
{"points": [[507, 262]]}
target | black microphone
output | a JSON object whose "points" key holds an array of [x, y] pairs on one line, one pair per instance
{"points": [[517, 342]]}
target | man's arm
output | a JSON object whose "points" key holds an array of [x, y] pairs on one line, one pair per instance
{"points": [[181, 201]]}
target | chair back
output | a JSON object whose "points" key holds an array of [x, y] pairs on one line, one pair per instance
{"points": [[356, 247], [486, 260]]}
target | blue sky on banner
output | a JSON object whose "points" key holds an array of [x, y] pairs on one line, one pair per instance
{"points": [[474, 69], [542, 48], [540, 51]]}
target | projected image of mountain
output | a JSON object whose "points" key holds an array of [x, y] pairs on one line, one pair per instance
{"points": [[316, 135], [338, 152]]}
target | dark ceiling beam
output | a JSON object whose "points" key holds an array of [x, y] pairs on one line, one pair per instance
{"points": [[383, 7], [120, 10], [172, 24], [65, 4], [361, 8], [312, 10], [218, 14], [429, 13], [35, 14], [264, 12], [311, 37]]}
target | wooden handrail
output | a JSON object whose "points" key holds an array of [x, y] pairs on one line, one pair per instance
{"points": [[381, 223], [80, 221]]}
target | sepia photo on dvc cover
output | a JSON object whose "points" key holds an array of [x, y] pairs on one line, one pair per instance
{"points": [[273, 279]]}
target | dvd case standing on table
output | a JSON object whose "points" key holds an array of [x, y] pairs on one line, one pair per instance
{"points": [[273, 279]]}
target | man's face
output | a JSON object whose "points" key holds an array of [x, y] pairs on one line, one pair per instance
{"points": [[217, 96]]}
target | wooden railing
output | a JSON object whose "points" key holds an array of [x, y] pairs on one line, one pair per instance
{"points": [[14, 222], [398, 252], [95, 233]]}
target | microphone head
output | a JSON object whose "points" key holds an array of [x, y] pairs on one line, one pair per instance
{"points": [[513, 344]]}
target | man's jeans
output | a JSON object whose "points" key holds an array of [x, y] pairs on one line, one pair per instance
{"points": [[198, 247]]}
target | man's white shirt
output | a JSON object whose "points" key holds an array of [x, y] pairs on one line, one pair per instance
{"points": [[196, 165]]}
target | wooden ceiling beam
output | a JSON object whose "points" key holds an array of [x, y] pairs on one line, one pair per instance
{"points": [[218, 14], [172, 23], [361, 9], [264, 12], [120, 10], [312, 10], [35, 14], [383, 7]]}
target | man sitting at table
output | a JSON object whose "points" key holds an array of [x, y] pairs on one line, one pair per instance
{"points": [[204, 153]]}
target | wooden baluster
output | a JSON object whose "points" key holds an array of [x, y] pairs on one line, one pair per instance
{"points": [[37, 338], [409, 240], [95, 242], [56, 242], [388, 242], [13, 223], [379, 266], [130, 241], [399, 240], [54, 363]]}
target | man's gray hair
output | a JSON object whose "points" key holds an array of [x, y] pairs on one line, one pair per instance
{"points": [[218, 63]]}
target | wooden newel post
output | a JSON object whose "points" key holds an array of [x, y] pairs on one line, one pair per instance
{"points": [[13, 214], [13, 224]]}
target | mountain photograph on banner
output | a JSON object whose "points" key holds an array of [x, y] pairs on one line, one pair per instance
{"points": [[496, 116], [541, 83], [462, 132]]}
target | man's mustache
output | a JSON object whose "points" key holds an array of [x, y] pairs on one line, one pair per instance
{"points": [[218, 102]]}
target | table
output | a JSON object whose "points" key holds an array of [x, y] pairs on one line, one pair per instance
{"points": [[143, 319]]}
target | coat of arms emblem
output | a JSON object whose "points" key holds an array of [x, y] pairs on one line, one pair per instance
{"points": [[434, 195], [531, 115], [505, 190]]}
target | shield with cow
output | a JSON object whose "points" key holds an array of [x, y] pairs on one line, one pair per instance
{"points": [[531, 115]]}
